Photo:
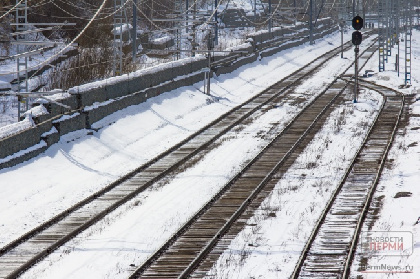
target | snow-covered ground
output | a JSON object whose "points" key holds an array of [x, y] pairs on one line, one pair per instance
{"points": [[85, 161], [398, 194], [175, 202], [269, 247], [270, 244]]}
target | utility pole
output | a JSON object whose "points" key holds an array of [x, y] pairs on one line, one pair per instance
{"points": [[342, 24], [397, 33], [187, 9], [311, 39], [388, 29], [118, 37], [408, 26], [216, 29], [270, 16], [207, 74], [354, 8], [22, 62], [134, 37], [193, 43], [209, 71], [178, 9], [381, 35]]}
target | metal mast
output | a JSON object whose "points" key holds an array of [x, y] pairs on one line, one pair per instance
{"points": [[270, 19], [216, 25], [342, 13], [397, 6], [22, 61], [118, 34], [311, 40], [193, 42], [382, 26], [393, 18], [388, 29], [134, 36], [178, 5], [408, 25]]}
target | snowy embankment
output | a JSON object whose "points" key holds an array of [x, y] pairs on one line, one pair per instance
{"points": [[271, 242], [85, 161], [396, 201], [12, 129], [270, 246], [132, 233], [81, 164]]}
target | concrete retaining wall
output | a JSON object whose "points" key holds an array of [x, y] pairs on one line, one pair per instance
{"points": [[92, 102]]}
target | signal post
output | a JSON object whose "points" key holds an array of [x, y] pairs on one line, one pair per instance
{"points": [[356, 39]]}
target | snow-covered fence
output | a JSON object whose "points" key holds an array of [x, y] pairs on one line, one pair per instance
{"points": [[91, 102], [124, 85], [264, 38], [22, 141], [263, 44], [323, 28]]}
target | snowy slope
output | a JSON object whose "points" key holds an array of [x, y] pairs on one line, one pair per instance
{"points": [[81, 164], [161, 212], [397, 206], [85, 161]]}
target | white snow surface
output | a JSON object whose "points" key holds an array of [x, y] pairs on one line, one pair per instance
{"points": [[4, 86], [83, 162], [12, 129], [401, 176], [269, 247], [122, 29]]}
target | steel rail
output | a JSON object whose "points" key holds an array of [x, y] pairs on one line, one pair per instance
{"points": [[58, 217], [254, 194], [330, 202], [237, 214], [362, 217], [13, 244], [368, 197], [24, 238], [226, 226], [329, 205], [218, 195]]}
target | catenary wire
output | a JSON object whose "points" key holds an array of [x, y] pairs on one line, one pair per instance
{"points": [[13, 8]]}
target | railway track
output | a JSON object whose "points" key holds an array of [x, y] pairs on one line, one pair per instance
{"points": [[196, 243], [332, 244], [24, 252]]}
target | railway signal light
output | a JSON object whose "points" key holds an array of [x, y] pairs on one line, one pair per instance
{"points": [[357, 23], [356, 38]]}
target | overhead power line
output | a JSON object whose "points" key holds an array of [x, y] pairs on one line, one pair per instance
{"points": [[12, 9]]}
